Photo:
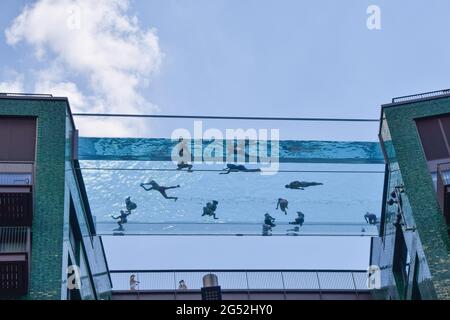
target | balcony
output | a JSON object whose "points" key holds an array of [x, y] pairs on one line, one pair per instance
{"points": [[14, 257], [16, 197], [16, 207], [443, 189]]}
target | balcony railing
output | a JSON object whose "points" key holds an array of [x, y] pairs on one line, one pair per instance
{"points": [[16, 208], [14, 257], [245, 280], [424, 95]]}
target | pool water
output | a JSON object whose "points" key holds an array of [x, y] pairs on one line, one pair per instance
{"points": [[243, 198]]}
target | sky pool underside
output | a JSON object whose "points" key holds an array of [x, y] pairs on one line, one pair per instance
{"points": [[335, 208]]}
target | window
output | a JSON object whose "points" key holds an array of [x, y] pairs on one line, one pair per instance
{"points": [[434, 134], [415, 286], [400, 266], [74, 233], [17, 139]]}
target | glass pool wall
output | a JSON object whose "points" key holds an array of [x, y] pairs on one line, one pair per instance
{"points": [[351, 174]]}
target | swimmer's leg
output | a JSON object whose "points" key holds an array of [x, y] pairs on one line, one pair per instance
{"points": [[174, 187], [164, 194]]}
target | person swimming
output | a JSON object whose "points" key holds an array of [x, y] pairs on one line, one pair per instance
{"points": [[237, 168], [371, 218], [122, 218], [210, 209], [268, 220], [130, 205], [301, 185], [183, 165], [266, 230], [160, 189], [299, 220], [283, 205]]}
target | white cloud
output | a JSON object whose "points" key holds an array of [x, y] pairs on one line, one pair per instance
{"points": [[12, 86], [94, 52]]}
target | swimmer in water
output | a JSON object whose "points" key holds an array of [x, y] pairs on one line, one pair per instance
{"points": [[130, 204], [371, 218], [301, 185], [299, 220], [268, 220], [283, 205], [210, 209], [160, 189], [183, 164], [237, 168], [122, 218]]}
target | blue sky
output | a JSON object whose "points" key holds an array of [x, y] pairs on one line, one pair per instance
{"points": [[228, 57], [313, 57], [266, 58]]}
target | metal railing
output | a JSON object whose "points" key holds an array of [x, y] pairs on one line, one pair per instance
{"points": [[16, 208], [244, 280], [14, 94], [14, 239], [424, 95]]}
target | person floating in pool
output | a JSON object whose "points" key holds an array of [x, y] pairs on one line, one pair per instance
{"points": [[283, 205], [210, 209], [299, 220], [122, 218], [183, 164], [266, 230], [301, 185], [160, 189], [371, 218], [237, 168], [268, 220], [130, 204]]}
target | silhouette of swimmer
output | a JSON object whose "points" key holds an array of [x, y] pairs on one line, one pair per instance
{"points": [[266, 230], [283, 205], [210, 209], [122, 218], [183, 165], [268, 220], [130, 204], [237, 168], [295, 230], [160, 189], [182, 147], [299, 220], [301, 185], [371, 218]]}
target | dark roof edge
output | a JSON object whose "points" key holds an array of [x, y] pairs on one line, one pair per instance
{"points": [[393, 104], [43, 98]]}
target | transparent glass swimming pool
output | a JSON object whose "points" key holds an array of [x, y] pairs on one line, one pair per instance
{"points": [[352, 175]]}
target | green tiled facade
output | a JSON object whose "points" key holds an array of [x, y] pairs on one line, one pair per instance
{"points": [[52, 192], [425, 231]]}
